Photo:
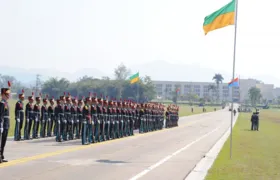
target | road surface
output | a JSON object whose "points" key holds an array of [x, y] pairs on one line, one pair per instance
{"points": [[166, 155]]}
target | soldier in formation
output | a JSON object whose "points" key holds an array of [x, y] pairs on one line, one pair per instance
{"points": [[93, 119], [19, 115], [4, 120], [172, 116]]}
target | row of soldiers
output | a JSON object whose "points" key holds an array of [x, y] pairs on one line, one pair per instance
{"points": [[92, 119]]}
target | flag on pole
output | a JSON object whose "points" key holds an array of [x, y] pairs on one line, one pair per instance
{"points": [[234, 83], [134, 78], [220, 18]]}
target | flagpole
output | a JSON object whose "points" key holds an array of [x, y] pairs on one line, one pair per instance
{"points": [[137, 98], [233, 72]]}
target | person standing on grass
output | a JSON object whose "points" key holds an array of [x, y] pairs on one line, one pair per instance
{"points": [[4, 120], [257, 121], [253, 121]]}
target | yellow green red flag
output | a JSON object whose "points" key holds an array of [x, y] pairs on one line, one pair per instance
{"points": [[220, 18], [134, 78]]}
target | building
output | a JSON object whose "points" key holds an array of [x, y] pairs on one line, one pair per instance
{"points": [[164, 90], [245, 85], [276, 93], [266, 91]]}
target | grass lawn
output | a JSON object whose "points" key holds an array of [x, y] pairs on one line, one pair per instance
{"points": [[256, 154], [184, 111]]}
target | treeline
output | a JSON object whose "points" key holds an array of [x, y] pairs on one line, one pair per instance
{"points": [[118, 87]]}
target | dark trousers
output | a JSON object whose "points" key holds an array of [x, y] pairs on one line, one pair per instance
{"points": [[3, 142], [254, 125]]}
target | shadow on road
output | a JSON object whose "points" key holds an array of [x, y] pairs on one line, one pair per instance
{"points": [[110, 162]]}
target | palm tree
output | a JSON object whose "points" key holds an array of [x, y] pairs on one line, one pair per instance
{"points": [[218, 78]]}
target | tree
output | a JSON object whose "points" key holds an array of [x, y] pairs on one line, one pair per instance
{"points": [[121, 74], [212, 88], [255, 95], [55, 87], [218, 78]]}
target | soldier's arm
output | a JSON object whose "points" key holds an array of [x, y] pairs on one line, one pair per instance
{"points": [[1, 114], [16, 109], [26, 111]]}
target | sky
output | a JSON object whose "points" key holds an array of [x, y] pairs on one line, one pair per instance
{"points": [[70, 35]]}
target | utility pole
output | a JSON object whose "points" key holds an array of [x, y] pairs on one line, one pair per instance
{"points": [[38, 85]]}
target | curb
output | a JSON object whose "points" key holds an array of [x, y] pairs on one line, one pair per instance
{"points": [[201, 169]]}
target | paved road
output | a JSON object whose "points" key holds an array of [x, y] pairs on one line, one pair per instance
{"points": [[167, 154]]}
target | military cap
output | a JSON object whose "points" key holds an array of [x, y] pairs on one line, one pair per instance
{"points": [[68, 98], [94, 99], [51, 99], [45, 99], [119, 102], [88, 99], [62, 98], [38, 98], [6, 91], [75, 99], [105, 101], [22, 94], [31, 97], [80, 101]]}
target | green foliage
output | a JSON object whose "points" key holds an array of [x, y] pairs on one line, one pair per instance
{"points": [[218, 78], [119, 87], [255, 95], [16, 85], [255, 154]]}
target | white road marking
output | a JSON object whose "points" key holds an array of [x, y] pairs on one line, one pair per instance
{"points": [[173, 154]]}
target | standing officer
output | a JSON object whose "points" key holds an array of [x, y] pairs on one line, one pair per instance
{"points": [[253, 120], [4, 120], [257, 121], [37, 116], [120, 118], [95, 121], [19, 116], [44, 117], [80, 117], [51, 117], [86, 126], [29, 117]]}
